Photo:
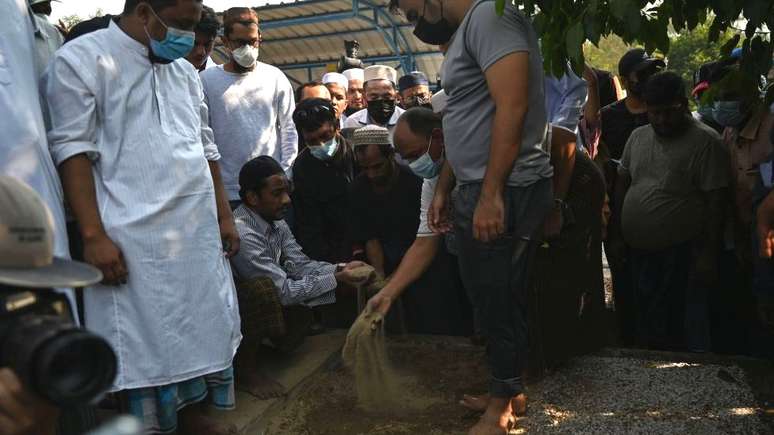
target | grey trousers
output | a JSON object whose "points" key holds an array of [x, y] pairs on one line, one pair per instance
{"points": [[496, 275]]}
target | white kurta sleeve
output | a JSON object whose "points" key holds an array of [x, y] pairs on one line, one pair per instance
{"points": [[288, 135], [67, 86], [208, 136]]}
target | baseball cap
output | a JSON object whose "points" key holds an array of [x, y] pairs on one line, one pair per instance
{"points": [[636, 60], [27, 243]]}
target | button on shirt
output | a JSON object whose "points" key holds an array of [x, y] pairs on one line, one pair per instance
{"points": [[144, 127], [270, 250]]}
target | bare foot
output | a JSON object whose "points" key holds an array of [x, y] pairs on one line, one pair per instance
{"points": [[479, 403], [489, 425], [259, 385], [193, 420]]}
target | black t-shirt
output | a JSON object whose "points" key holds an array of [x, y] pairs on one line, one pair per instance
{"points": [[617, 125], [392, 217]]}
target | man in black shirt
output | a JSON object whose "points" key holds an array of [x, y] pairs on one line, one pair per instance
{"points": [[322, 174], [385, 200], [619, 120]]}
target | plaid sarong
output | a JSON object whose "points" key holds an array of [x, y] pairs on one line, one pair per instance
{"points": [[260, 309], [157, 407]]}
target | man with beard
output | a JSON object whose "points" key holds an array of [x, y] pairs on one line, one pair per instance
{"points": [[381, 99], [384, 200], [673, 190], [355, 100], [618, 121], [251, 103], [206, 33], [414, 90]]}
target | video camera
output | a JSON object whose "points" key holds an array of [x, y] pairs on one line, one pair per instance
{"points": [[350, 59], [51, 355]]}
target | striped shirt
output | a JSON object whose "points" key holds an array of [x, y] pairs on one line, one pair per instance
{"points": [[269, 249]]}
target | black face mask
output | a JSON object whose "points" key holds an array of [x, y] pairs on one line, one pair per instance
{"points": [[381, 110], [417, 101], [434, 33]]}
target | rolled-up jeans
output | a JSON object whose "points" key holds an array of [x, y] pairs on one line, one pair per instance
{"points": [[496, 273]]}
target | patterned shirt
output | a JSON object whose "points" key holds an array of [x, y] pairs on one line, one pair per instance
{"points": [[269, 249]]}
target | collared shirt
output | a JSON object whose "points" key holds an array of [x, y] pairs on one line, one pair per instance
{"points": [[251, 115], [269, 249], [361, 119], [24, 148], [749, 147], [565, 98], [48, 39], [144, 127]]}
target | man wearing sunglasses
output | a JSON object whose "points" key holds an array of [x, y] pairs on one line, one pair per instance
{"points": [[672, 187]]}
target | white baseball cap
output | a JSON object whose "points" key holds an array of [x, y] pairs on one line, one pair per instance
{"points": [[337, 78], [354, 74], [27, 243]]}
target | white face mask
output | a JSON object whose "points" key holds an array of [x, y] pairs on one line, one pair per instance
{"points": [[245, 56]]}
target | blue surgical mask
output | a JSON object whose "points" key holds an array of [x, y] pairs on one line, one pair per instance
{"points": [[728, 113], [177, 44], [326, 151], [706, 111], [424, 166]]}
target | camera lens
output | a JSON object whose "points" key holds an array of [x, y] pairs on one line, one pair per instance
{"points": [[61, 362], [75, 367]]}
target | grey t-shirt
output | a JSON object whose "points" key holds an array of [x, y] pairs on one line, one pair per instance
{"points": [[664, 205], [482, 39]]}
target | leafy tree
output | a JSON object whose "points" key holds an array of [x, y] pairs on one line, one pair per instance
{"points": [[564, 25], [689, 50], [606, 54]]}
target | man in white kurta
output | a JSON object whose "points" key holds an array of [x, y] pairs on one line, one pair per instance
{"points": [[172, 316], [23, 148]]}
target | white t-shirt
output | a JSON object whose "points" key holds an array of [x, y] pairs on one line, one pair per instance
{"points": [[428, 191]]}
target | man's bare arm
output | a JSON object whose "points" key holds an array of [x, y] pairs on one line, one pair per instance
{"points": [[98, 250], [228, 232], [508, 83]]}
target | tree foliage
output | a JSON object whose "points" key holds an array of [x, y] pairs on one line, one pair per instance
{"points": [[564, 25]]}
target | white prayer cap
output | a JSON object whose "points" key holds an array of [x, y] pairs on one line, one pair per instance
{"points": [[380, 72], [439, 101], [354, 74], [334, 77]]}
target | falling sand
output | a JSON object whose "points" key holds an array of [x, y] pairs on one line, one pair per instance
{"points": [[380, 387]]}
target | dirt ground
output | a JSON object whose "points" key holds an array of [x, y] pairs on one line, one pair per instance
{"points": [[609, 392]]}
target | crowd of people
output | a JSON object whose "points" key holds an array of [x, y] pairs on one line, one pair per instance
{"points": [[229, 213]]}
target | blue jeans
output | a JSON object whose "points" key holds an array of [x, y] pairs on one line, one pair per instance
{"points": [[496, 273]]}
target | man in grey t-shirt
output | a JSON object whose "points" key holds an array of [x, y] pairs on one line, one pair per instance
{"points": [[493, 147]]}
